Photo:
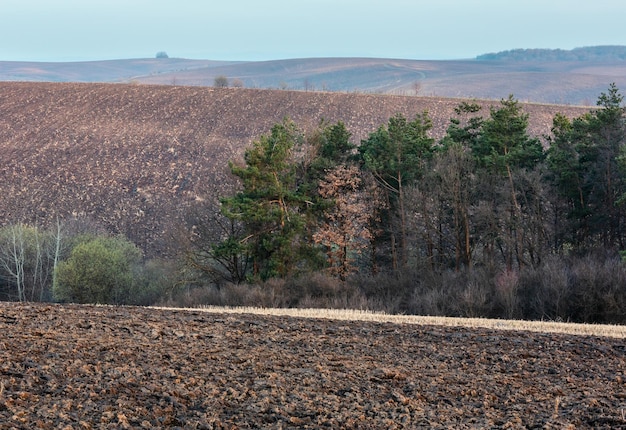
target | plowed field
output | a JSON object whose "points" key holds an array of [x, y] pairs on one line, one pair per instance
{"points": [[69, 366]]}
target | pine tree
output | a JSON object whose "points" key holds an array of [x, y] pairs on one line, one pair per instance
{"points": [[584, 160], [269, 204], [396, 155], [502, 149]]}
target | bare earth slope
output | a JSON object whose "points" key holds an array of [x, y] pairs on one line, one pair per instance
{"points": [[101, 367], [135, 157]]}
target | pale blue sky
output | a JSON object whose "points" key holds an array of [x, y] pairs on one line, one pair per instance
{"points": [[77, 30]]}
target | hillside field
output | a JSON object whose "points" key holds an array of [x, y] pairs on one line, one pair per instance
{"points": [[548, 77], [136, 158]]}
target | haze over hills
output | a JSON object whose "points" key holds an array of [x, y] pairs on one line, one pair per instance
{"points": [[535, 75]]}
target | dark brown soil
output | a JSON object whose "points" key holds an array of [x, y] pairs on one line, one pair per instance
{"points": [[105, 367]]}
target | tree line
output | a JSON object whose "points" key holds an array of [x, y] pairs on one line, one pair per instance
{"points": [[487, 194], [487, 221], [590, 53], [487, 197], [75, 261]]}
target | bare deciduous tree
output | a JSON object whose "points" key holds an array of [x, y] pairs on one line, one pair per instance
{"points": [[27, 259]]}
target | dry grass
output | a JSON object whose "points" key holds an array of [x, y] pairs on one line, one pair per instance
{"points": [[614, 331]]}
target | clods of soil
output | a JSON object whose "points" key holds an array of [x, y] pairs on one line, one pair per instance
{"points": [[92, 367]]}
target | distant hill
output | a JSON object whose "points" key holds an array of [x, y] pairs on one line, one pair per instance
{"points": [[135, 158], [573, 77], [99, 71], [591, 53]]}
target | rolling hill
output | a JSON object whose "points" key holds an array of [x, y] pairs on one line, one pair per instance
{"points": [[544, 76], [136, 158], [99, 71]]}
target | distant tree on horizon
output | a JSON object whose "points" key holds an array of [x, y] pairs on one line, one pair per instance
{"points": [[162, 54], [220, 81]]}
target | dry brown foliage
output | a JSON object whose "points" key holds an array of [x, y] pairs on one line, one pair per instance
{"points": [[345, 230]]}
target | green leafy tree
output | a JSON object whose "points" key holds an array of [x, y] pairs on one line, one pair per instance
{"points": [[98, 270], [455, 170], [607, 137], [323, 150], [504, 142], [329, 179], [567, 176], [213, 248], [335, 146], [465, 128], [267, 229]]}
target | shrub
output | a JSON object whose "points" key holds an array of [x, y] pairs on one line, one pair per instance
{"points": [[98, 270], [590, 288], [598, 289], [386, 292], [506, 293], [225, 295], [153, 280], [318, 290], [543, 291]]}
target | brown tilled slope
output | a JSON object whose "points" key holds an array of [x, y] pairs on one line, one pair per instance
{"points": [[135, 157]]}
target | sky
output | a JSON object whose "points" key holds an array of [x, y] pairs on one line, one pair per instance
{"points": [[254, 30]]}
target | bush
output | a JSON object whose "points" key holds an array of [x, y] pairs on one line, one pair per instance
{"points": [[318, 290], [98, 270], [225, 295], [590, 288], [598, 290], [543, 291], [153, 280], [313, 291], [385, 292]]}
